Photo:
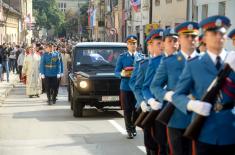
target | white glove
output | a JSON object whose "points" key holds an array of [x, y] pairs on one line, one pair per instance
{"points": [[233, 111], [168, 96], [58, 76], [42, 76], [144, 106], [155, 105], [199, 107], [230, 59]]}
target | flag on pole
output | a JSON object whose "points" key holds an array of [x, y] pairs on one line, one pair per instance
{"points": [[136, 4]]}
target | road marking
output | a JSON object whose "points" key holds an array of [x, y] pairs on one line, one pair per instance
{"points": [[118, 127], [142, 148], [123, 132]]}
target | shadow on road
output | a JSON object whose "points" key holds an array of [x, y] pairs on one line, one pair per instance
{"points": [[66, 115], [102, 144]]}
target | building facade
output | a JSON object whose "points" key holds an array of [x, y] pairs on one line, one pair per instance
{"points": [[169, 13], [15, 21], [205, 8], [70, 5]]}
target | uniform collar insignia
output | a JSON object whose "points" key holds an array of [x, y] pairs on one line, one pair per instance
{"points": [[179, 58]]}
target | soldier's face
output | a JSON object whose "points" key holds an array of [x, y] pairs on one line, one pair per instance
{"points": [[150, 50], [48, 49], [132, 46], [188, 41], [170, 45], [157, 45], [214, 40], [234, 42]]}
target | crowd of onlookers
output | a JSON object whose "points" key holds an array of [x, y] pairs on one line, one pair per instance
{"points": [[9, 54], [12, 56]]}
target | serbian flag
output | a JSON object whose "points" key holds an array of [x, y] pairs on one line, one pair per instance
{"points": [[136, 4]]}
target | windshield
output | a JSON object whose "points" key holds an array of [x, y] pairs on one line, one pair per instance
{"points": [[97, 57]]}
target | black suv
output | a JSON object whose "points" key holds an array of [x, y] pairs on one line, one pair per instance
{"points": [[91, 79]]}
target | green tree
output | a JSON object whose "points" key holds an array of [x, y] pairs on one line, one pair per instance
{"points": [[48, 14]]}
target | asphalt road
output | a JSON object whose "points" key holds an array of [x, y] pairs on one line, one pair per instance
{"points": [[28, 126]]}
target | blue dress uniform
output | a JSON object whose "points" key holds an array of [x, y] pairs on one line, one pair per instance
{"points": [[159, 134], [149, 142], [217, 135], [50, 67], [136, 81], [138, 58], [128, 101], [165, 80]]}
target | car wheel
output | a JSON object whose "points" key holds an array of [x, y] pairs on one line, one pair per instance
{"points": [[69, 95], [77, 108]]}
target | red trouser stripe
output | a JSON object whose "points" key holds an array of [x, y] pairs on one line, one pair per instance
{"points": [[169, 141]]}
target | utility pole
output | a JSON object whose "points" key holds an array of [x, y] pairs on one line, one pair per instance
{"points": [[150, 11]]}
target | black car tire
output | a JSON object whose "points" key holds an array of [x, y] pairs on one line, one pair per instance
{"points": [[77, 108], [69, 94]]}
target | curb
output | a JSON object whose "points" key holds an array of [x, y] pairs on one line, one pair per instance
{"points": [[7, 90]]}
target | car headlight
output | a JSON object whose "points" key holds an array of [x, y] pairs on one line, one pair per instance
{"points": [[83, 84]]}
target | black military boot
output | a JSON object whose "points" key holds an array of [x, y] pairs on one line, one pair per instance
{"points": [[147, 151], [128, 127], [133, 127], [49, 99], [152, 152]]}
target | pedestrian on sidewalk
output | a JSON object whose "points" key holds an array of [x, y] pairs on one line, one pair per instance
{"points": [[20, 62], [5, 60], [31, 71]]}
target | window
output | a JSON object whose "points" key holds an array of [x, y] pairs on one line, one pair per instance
{"points": [[222, 7], [157, 2], [62, 6], [168, 1], [204, 11]]}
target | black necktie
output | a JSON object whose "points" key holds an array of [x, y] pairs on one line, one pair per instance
{"points": [[132, 55], [189, 57], [218, 62]]}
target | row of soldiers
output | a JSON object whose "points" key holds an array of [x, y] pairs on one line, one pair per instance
{"points": [[175, 74]]}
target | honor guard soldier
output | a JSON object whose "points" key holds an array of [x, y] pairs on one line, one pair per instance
{"points": [[123, 70], [159, 130], [217, 136], [167, 75], [50, 69], [170, 42], [231, 35], [150, 144]]}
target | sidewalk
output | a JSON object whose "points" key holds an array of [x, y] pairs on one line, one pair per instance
{"points": [[5, 87]]}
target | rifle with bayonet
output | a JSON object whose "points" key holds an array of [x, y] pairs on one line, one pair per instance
{"points": [[141, 117], [211, 95], [150, 118]]}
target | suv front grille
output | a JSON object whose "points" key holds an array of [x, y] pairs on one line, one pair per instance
{"points": [[105, 87]]}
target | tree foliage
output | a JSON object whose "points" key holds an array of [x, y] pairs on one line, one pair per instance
{"points": [[48, 14]]}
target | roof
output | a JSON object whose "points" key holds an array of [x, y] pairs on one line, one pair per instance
{"points": [[101, 44]]}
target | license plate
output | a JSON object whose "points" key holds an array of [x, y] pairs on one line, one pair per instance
{"points": [[109, 98]]}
